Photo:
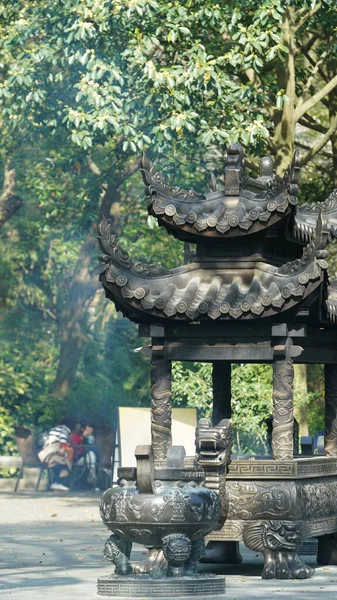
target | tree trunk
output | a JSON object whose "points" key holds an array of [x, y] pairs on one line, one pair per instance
{"points": [[72, 337], [301, 391], [332, 100], [284, 133], [9, 202], [82, 290]]}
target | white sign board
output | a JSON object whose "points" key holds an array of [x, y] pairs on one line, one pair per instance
{"points": [[135, 429]]}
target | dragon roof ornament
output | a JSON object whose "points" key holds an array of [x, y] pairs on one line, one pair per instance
{"points": [[245, 205]]}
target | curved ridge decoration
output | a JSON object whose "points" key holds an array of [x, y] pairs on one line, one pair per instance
{"points": [[115, 255], [244, 205], [307, 214], [193, 291]]}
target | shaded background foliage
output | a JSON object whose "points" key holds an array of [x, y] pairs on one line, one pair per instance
{"points": [[85, 87]]}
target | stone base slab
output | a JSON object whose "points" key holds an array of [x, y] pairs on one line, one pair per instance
{"points": [[140, 587]]}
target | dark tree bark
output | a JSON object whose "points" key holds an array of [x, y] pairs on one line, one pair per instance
{"points": [[72, 338], [332, 102], [9, 201]]}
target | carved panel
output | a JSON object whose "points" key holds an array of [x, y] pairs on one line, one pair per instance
{"points": [[320, 526], [316, 498], [253, 500]]}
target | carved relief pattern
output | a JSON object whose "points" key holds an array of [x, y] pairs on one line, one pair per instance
{"points": [[283, 419], [120, 507], [178, 507], [267, 469], [115, 254], [136, 506], [248, 500], [161, 407], [330, 441], [209, 585], [317, 499]]}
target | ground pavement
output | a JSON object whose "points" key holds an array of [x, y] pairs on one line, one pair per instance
{"points": [[51, 549]]}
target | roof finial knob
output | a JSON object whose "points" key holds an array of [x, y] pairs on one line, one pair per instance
{"points": [[291, 177], [266, 167]]}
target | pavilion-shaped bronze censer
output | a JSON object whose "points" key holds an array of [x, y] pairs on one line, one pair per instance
{"points": [[256, 289]]}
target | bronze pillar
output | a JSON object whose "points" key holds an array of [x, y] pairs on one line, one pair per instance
{"points": [[221, 378], [330, 438], [283, 416], [161, 407]]}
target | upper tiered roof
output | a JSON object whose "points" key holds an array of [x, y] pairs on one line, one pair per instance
{"points": [[244, 205], [271, 274]]}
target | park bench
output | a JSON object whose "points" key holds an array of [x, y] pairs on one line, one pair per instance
{"points": [[24, 438]]}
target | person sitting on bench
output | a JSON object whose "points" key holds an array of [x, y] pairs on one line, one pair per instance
{"points": [[57, 454]]}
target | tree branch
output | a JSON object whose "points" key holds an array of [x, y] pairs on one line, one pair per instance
{"points": [[129, 170], [307, 14], [311, 102], [311, 123], [111, 192], [320, 144], [9, 202], [316, 67], [92, 166], [306, 47], [307, 147]]}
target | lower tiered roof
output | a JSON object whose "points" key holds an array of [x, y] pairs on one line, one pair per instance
{"points": [[212, 290]]}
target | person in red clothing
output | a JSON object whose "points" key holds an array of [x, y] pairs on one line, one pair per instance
{"points": [[83, 437], [77, 439]]}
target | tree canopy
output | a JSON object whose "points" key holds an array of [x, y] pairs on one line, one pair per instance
{"points": [[85, 87]]}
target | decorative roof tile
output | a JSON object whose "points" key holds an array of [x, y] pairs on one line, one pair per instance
{"points": [[199, 291], [244, 205]]}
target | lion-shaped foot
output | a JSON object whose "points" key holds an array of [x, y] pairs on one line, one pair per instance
{"points": [[285, 565], [279, 541]]}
